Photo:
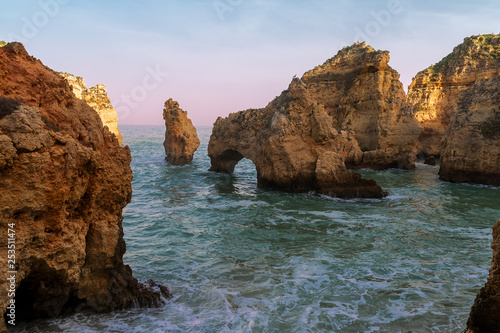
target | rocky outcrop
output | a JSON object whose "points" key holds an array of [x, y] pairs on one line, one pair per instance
{"points": [[363, 96], [434, 90], [97, 98], [181, 140], [485, 313], [471, 151], [293, 145], [64, 181]]}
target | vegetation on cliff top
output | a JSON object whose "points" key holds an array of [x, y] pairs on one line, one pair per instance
{"points": [[473, 48], [2, 43]]}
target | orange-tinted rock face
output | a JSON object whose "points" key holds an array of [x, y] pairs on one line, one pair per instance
{"points": [[363, 95], [293, 145], [485, 313], [471, 151], [64, 181], [181, 140], [435, 89], [97, 98]]}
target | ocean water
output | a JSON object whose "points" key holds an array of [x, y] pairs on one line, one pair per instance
{"points": [[239, 259]]}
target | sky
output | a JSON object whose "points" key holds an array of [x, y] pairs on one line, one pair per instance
{"points": [[220, 56]]}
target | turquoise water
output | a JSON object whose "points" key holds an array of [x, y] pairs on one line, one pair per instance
{"points": [[239, 259]]}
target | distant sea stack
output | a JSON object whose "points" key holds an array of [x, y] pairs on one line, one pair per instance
{"points": [[471, 151], [294, 147], [97, 98], [363, 96], [434, 90], [485, 313], [181, 140], [64, 181]]}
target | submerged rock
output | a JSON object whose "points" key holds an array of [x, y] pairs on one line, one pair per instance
{"points": [[97, 98], [181, 140], [434, 90], [64, 181], [293, 145], [430, 160], [472, 143], [363, 96], [485, 313]]}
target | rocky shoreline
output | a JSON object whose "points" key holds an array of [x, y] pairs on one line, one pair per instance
{"points": [[65, 178]]}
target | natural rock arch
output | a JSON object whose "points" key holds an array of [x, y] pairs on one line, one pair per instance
{"points": [[293, 146]]}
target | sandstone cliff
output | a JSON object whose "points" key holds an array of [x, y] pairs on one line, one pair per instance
{"points": [[293, 145], [97, 98], [435, 89], [363, 95], [471, 151], [485, 313], [64, 181], [181, 140]]}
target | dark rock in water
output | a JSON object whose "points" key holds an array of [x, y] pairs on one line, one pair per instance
{"points": [[485, 313], [430, 160], [293, 145], [64, 181]]}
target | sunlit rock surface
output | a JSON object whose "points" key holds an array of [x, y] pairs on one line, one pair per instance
{"points": [[181, 139], [434, 90], [64, 181]]}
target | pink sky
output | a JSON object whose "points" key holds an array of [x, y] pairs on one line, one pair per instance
{"points": [[222, 56]]}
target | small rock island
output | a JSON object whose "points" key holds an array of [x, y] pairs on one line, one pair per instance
{"points": [[181, 139]]}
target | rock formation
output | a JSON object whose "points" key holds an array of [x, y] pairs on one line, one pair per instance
{"points": [[293, 145], [485, 313], [435, 89], [471, 151], [181, 140], [363, 95], [97, 98], [64, 181]]}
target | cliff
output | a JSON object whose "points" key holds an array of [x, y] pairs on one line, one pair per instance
{"points": [[97, 98], [434, 90], [485, 313], [363, 95], [64, 181], [471, 151], [293, 145], [181, 140]]}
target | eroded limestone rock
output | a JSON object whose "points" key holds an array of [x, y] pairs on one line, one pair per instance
{"points": [[64, 181], [293, 145], [363, 95], [471, 150], [485, 313], [97, 98], [434, 90], [181, 139]]}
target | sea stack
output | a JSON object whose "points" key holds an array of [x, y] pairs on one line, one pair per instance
{"points": [[64, 181], [181, 140], [485, 313], [97, 98], [294, 147], [363, 96], [471, 151], [433, 92]]}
